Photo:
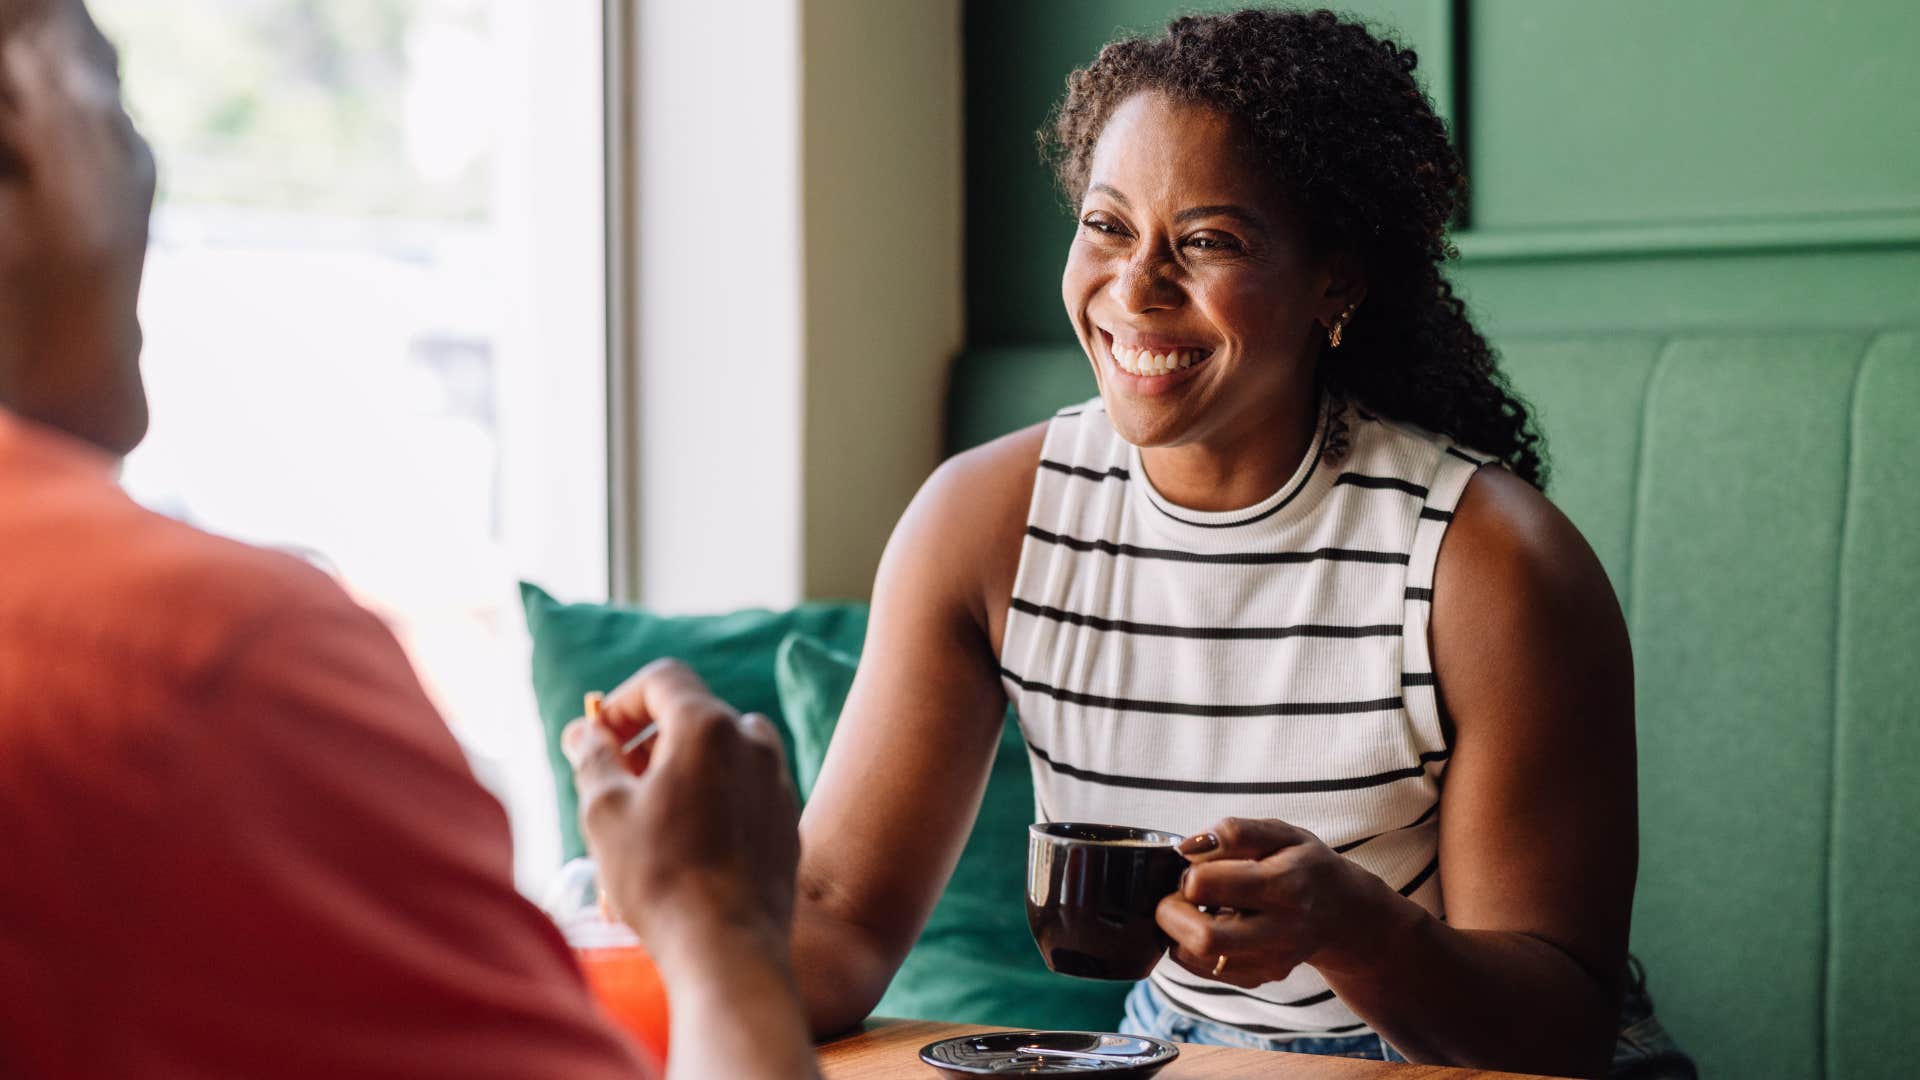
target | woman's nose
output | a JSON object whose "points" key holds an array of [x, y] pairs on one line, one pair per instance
{"points": [[1145, 284]]}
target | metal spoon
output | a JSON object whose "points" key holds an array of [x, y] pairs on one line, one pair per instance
{"points": [[1047, 1052]]}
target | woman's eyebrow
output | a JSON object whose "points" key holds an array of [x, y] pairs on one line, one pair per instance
{"points": [[1111, 192], [1221, 210]]}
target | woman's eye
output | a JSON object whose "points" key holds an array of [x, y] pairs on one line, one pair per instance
{"points": [[1212, 242], [1101, 225]]}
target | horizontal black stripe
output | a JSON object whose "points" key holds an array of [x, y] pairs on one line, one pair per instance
{"points": [[1181, 708], [1420, 878], [1392, 483], [1236, 787], [1115, 473], [1414, 824], [1430, 514], [1223, 990], [1419, 594], [1465, 457], [1239, 558], [1419, 678], [1069, 412], [1205, 633], [1255, 1029]]}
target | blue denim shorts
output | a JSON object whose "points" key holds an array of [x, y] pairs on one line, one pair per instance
{"points": [[1149, 1014], [1643, 1051]]}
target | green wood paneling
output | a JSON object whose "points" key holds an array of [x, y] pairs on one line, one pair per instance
{"points": [[1841, 290], [1019, 53], [1637, 110], [1874, 919]]}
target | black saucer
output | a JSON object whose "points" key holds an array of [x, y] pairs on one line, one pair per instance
{"points": [[1024, 1053]]}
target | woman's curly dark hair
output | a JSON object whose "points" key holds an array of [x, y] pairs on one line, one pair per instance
{"points": [[1362, 155]]}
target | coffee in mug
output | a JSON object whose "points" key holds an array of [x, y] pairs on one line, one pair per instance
{"points": [[1091, 895]]}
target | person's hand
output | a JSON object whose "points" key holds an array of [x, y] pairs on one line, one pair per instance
{"points": [[1263, 894], [695, 832]]}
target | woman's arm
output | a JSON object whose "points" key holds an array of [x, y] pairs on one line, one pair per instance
{"points": [[904, 776], [1538, 833]]}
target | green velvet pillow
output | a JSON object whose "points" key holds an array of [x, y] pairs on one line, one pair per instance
{"points": [[582, 647], [975, 962]]}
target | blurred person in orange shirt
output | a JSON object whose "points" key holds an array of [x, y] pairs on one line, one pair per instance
{"points": [[238, 839]]}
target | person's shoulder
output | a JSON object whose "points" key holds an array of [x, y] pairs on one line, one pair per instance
{"points": [[960, 538], [1510, 557], [980, 496], [89, 562], [227, 580], [994, 473], [1505, 523]]}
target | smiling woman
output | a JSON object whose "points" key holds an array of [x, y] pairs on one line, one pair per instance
{"points": [[1287, 587]]}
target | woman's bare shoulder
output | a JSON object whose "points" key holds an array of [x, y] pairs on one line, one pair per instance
{"points": [[1507, 534], [964, 529], [995, 476], [1522, 607]]}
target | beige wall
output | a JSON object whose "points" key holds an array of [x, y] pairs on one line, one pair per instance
{"points": [[793, 296], [881, 182]]}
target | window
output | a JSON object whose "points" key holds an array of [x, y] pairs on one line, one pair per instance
{"points": [[375, 318]]}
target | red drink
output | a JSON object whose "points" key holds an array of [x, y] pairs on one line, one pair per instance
{"points": [[628, 987], [618, 970]]}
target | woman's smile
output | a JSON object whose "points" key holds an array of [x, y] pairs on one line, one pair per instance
{"points": [[1147, 365]]}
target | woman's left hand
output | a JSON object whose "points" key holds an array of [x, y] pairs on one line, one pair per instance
{"points": [[1262, 894]]}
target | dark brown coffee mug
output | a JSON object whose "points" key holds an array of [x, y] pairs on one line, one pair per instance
{"points": [[1091, 895]]}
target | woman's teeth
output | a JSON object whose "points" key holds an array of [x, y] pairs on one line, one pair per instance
{"points": [[1144, 362]]}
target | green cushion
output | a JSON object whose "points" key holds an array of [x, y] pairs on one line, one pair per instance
{"points": [[975, 962], [1733, 596], [1871, 982], [582, 647]]}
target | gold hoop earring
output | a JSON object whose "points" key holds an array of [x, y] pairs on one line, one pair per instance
{"points": [[1339, 326]]}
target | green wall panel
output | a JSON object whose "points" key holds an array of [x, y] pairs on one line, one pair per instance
{"points": [[1019, 54], [1706, 291], [1635, 111], [1736, 538], [1874, 983]]}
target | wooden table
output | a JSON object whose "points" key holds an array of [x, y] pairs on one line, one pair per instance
{"points": [[891, 1048]]}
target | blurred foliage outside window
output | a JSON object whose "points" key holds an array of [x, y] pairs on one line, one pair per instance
{"points": [[358, 107]]}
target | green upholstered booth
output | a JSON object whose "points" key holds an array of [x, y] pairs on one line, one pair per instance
{"points": [[1754, 499], [1694, 235]]}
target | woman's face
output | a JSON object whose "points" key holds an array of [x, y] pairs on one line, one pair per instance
{"points": [[1189, 281]]}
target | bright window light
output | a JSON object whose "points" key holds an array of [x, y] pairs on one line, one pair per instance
{"points": [[374, 310]]}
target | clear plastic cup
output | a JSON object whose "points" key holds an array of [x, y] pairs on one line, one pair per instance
{"points": [[617, 968]]}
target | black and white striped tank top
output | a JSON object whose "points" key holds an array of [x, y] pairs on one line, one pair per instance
{"points": [[1173, 667]]}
